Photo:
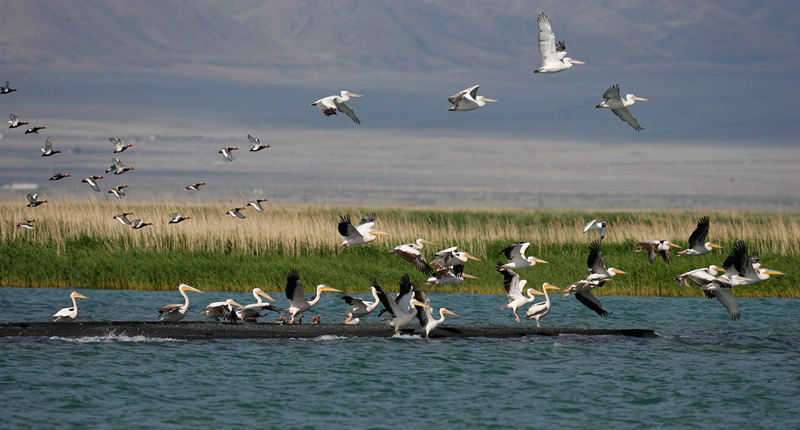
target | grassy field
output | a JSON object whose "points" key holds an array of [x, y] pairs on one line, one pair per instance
{"points": [[77, 243]]}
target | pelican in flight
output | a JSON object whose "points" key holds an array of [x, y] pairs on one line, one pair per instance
{"points": [[425, 316], [400, 315], [541, 309], [412, 252], [256, 142], [195, 187], [360, 307], [448, 275], [294, 292], [702, 276], [59, 176], [176, 217], [252, 311], [256, 204], [224, 310], [513, 286], [123, 218], [583, 292], [119, 144], [33, 200], [516, 256], [92, 181], [620, 107], [226, 152], [329, 105], [48, 148], [468, 100], [360, 234], [69, 314], [597, 265], [655, 248], [176, 312], [600, 226], [452, 257], [697, 243], [554, 58]]}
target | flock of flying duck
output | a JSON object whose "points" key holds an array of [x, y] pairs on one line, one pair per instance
{"points": [[740, 268]]}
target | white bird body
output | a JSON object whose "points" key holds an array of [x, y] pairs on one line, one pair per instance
{"points": [[224, 310], [467, 100], [176, 312], [329, 105], [400, 315], [620, 106], [297, 298], [541, 309], [514, 286], [251, 311], [412, 252], [360, 234], [601, 226], [360, 307], [516, 256], [432, 322], [554, 58], [452, 257], [655, 248], [702, 276], [69, 314], [697, 244]]}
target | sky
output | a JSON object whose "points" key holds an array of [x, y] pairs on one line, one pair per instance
{"points": [[182, 79]]}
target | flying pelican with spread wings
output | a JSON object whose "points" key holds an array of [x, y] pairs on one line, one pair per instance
{"points": [[329, 105], [697, 240], [554, 56], [468, 100], [360, 234], [619, 105]]}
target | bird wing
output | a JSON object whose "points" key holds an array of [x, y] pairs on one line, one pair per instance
{"points": [[596, 262], [561, 50], [414, 257], [699, 235], [256, 142], [455, 99], [405, 294], [516, 251], [589, 225], [388, 304], [473, 91], [742, 262], [590, 301], [511, 284], [294, 289], [423, 314], [624, 114], [343, 108], [170, 308], [547, 41], [48, 144], [346, 228], [650, 246], [612, 93], [356, 303], [726, 297]]}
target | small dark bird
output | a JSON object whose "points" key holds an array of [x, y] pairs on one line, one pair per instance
{"points": [[59, 176], [35, 129]]}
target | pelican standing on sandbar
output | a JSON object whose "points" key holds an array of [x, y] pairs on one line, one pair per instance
{"points": [[554, 58], [295, 294], [620, 106], [697, 240], [329, 105], [360, 234], [541, 309], [69, 314], [176, 312], [252, 311], [425, 316], [222, 310], [468, 100]]}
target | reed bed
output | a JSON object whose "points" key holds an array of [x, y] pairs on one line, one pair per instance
{"points": [[78, 243]]}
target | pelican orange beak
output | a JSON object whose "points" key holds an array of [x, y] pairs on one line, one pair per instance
{"points": [[379, 232], [714, 245], [640, 99], [486, 99], [550, 287], [416, 302], [185, 287], [329, 290], [464, 275], [445, 311], [426, 242], [471, 257], [354, 95], [233, 302], [79, 295], [576, 61], [539, 260], [619, 272], [265, 295], [672, 245], [773, 272]]}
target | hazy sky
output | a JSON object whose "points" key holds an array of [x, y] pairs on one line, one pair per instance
{"points": [[181, 79]]}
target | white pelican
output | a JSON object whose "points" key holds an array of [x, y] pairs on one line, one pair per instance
{"points": [[448, 275], [222, 310], [597, 264], [554, 59], [701, 276], [412, 252], [59, 176], [620, 106], [123, 218], [697, 243], [118, 167], [118, 191], [329, 105], [360, 234], [236, 212], [516, 256], [176, 312], [251, 312], [452, 257], [655, 248], [294, 292], [400, 316], [601, 226], [176, 217], [14, 122], [426, 320], [35, 129], [33, 200], [69, 314], [119, 144], [48, 148], [92, 181], [5, 89], [256, 204], [514, 286], [541, 309], [256, 142], [468, 100], [739, 270], [27, 224], [138, 223], [360, 306], [226, 152], [195, 187], [583, 292]]}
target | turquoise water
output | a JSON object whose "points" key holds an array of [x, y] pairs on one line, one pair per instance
{"points": [[703, 371]]}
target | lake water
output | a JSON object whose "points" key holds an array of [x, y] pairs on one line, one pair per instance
{"points": [[703, 371]]}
